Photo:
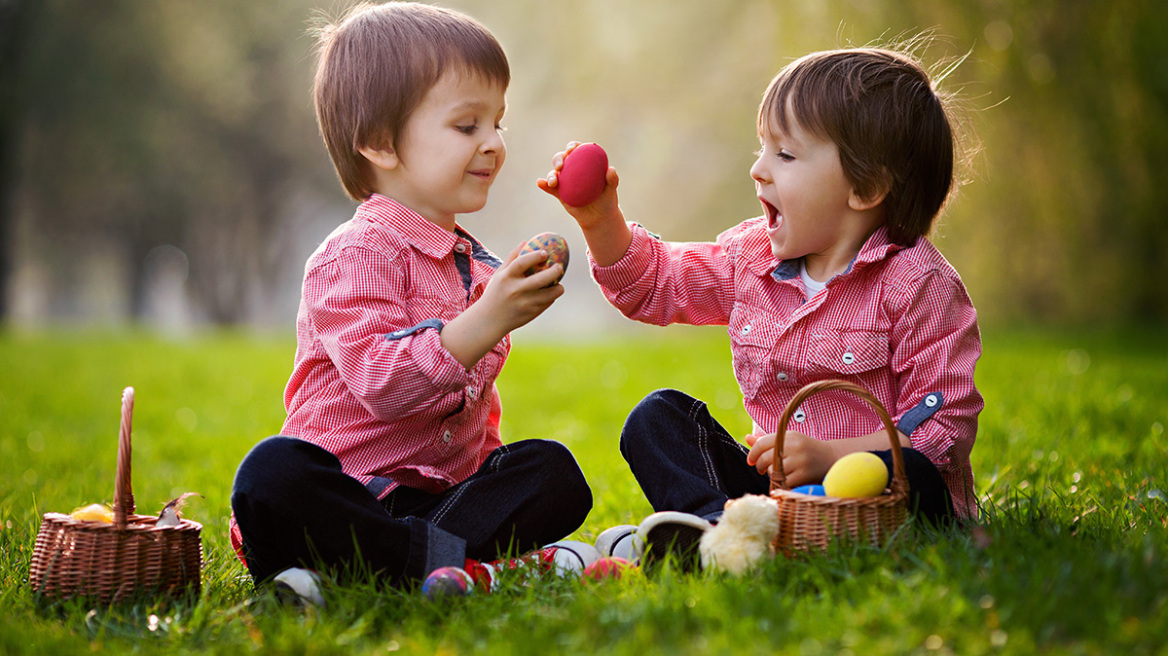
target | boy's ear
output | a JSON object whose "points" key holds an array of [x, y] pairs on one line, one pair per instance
{"points": [[382, 158], [861, 203]]}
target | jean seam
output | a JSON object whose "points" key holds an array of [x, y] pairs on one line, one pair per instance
{"points": [[703, 446], [454, 498]]}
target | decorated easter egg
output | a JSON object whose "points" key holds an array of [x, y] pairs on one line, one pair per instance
{"points": [[856, 475], [556, 247], [604, 568], [447, 582], [94, 512], [582, 177], [813, 490]]}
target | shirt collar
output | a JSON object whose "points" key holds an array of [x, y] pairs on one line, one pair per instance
{"points": [[875, 249], [411, 226]]}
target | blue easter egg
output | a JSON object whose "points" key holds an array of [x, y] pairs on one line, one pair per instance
{"points": [[813, 490]]}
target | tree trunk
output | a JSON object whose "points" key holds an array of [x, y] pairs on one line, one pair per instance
{"points": [[15, 20]]}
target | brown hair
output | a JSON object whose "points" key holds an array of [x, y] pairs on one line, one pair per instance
{"points": [[894, 130], [377, 64]]}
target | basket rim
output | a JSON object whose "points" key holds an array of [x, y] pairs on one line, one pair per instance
{"points": [[135, 524], [898, 488]]}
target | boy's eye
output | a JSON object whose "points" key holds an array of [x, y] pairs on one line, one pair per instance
{"points": [[785, 156], [467, 129]]}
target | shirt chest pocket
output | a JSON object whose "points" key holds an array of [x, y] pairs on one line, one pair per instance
{"points": [[849, 352], [752, 342]]}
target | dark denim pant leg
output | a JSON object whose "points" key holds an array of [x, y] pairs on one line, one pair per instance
{"points": [[683, 459], [296, 508], [928, 495], [525, 495]]}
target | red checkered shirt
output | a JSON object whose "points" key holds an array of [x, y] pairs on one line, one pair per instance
{"points": [[372, 383], [898, 322]]}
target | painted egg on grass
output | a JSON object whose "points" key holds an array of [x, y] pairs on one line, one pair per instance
{"points": [[447, 582], [556, 247], [609, 567]]}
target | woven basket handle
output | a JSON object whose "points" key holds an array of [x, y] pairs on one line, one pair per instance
{"points": [[123, 493], [899, 484]]}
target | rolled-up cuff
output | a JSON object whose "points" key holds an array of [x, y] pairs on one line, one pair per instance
{"points": [[431, 548]]}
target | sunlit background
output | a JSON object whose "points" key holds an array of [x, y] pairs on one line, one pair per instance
{"points": [[160, 164]]}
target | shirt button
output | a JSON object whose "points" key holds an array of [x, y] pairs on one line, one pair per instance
{"points": [[460, 247], [931, 400], [848, 358], [472, 392], [800, 416], [782, 376], [746, 329], [446, 437]]}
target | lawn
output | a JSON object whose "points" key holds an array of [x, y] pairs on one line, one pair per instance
{"points": [[1071, 556]]}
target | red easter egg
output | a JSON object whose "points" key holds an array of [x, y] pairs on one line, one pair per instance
{"points": [[556, 247], [582, 177], [608, 567]]}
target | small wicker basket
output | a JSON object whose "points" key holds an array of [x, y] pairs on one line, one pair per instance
{"points": [[811, 522], [113, 562]]}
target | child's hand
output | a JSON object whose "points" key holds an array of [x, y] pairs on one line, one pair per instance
{"points": [[595, 212], [510, 300], [805, 459], [515, 298]]}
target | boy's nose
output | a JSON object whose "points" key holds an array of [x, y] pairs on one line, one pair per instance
{"points": [[758, 172], [493, 143]]}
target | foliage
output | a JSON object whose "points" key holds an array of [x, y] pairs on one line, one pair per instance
{"points": [[181, 135], [1069, 559]]}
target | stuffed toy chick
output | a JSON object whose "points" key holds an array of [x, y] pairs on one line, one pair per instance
{"points": [[743, 536]]}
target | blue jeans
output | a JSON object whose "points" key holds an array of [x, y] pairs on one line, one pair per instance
{"points": [[296, 508], [684, 460]]}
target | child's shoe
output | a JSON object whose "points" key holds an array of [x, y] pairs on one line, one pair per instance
{"points": [[298, 586], [564, 558], [621, 542], [675, 534]]}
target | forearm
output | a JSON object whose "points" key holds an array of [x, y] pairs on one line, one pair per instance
{"points": [[471, 335], [877, 441], [608, 239]]}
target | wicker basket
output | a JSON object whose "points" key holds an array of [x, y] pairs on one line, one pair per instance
{"points": [[112, 562], [811, 522]]}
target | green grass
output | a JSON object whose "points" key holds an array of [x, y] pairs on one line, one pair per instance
{"points": [[1072, 557]]}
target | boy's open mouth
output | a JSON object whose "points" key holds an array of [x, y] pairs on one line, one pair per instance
{"points": [[772, 214]]}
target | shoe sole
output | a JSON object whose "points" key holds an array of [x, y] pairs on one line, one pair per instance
{"points": [[674, 538]]}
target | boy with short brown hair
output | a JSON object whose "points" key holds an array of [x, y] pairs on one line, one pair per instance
{"points": [[391, 450]]}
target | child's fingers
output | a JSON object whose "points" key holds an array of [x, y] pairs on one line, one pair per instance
{"points": [[549, 277]]}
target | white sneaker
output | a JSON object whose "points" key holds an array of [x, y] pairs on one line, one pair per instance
{"points": [[674, 534], [301, 586], [621, 542], [570, 557]]}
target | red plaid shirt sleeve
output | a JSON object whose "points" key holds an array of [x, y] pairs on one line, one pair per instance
{"points": [[353, 302]]}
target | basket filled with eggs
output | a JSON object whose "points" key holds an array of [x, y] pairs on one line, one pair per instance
{"points": [[111, 554], [856, 501]]}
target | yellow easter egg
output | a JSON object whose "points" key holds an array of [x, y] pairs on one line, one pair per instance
{"points": [[94, 512], [856, 475]]}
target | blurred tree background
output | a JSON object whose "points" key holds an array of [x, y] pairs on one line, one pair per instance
{"points": [[159, 161]]}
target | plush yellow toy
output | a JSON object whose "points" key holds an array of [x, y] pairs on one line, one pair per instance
{"points": [[743, 536]]}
